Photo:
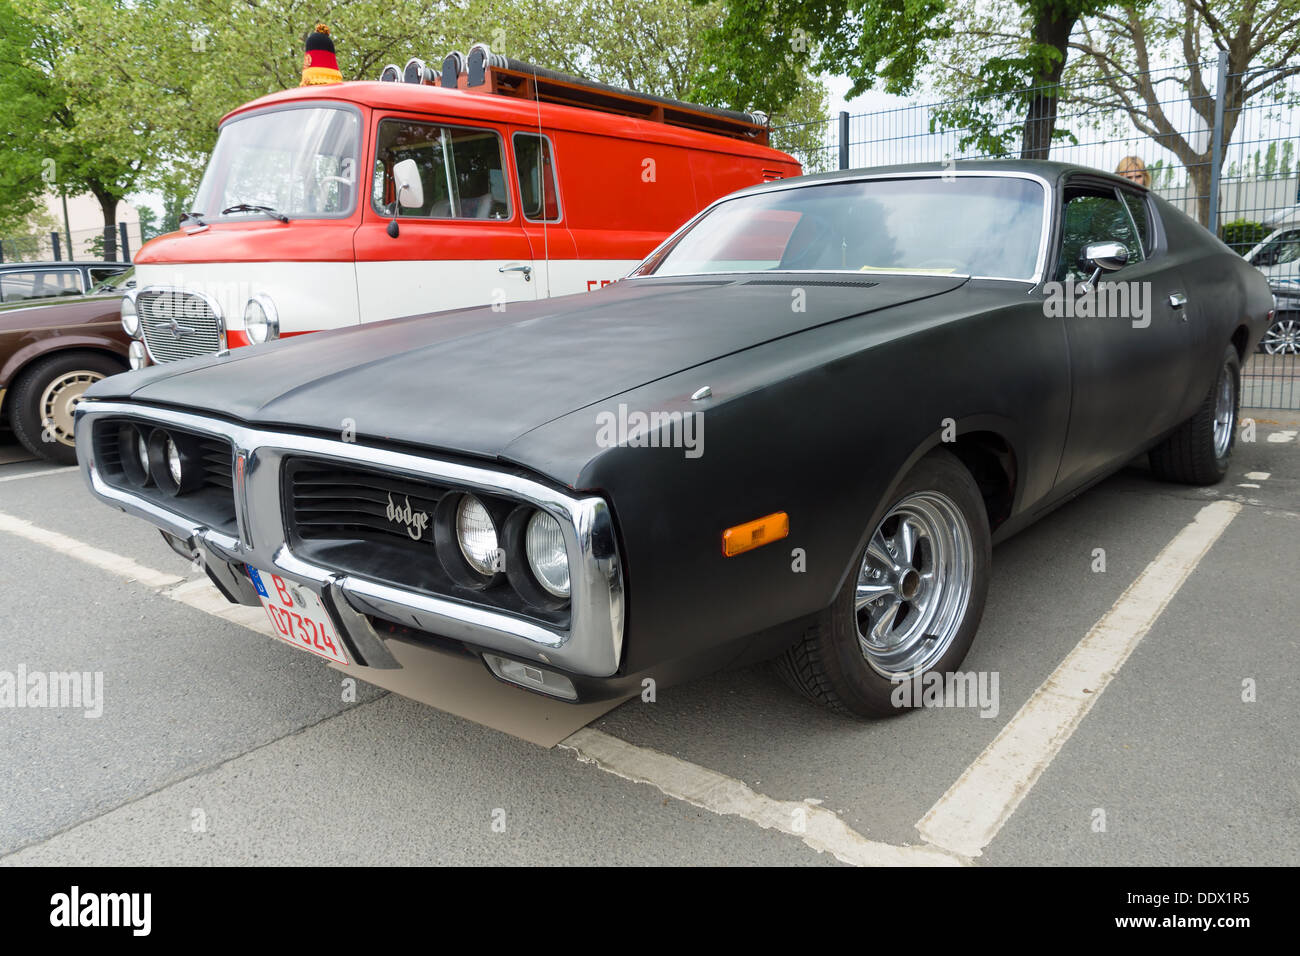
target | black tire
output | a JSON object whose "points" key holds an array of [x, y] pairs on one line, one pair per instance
{"points": [[25, 414], [829, 665], [1191, 455]]}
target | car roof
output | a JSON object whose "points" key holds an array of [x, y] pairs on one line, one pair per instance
{"points": [[1051, 171], [61, 264]]}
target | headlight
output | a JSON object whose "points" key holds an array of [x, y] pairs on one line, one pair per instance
{"points": [[476, 535], [136, 355], [173, 460], [261, 321], [130, 320], [133, 452], [547, 556]]}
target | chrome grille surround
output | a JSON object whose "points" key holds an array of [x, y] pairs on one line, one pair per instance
{"points": [[590, 645], [179, 323]]}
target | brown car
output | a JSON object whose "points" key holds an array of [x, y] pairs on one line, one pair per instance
{"points": [[50, 353]]}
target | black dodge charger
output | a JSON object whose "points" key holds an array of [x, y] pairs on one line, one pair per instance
{"points": [[794, 432]]}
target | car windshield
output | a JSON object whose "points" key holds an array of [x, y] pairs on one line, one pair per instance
{"points": [[967, 225], [298, 162]]}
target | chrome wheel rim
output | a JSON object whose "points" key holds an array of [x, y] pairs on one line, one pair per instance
{"points": [[59, 402], [1225, 410], [1282, 337], [914, 585]]}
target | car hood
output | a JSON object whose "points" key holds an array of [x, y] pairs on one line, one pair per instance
{"points": [[474, 380]]}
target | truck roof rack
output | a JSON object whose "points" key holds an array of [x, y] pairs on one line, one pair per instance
{"points": [[488, 72]]}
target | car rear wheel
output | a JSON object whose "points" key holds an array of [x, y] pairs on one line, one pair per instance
{"points": [[1283, 336], [1198, 452], [912, 603], [45, 398]]}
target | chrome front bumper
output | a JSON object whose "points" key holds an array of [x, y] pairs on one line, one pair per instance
{"points": [[591, 646]]}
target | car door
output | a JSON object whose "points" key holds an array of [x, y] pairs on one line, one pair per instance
{"points": [[1129, 343], [463, 245]]}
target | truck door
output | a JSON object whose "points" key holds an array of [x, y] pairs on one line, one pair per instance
{"points": [[554, 251], [463, 245]]}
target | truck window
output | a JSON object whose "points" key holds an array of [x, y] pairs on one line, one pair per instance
{"points": [[462, 171], [535, 166]]}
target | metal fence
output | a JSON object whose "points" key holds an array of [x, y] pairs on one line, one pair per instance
{"points": [[1234, 166], [109, 243]]}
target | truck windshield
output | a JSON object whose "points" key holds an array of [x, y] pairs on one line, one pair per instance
{"points": [[982, 226], [299, 162]]}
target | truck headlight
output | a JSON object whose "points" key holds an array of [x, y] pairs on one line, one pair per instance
{"points": [[130, 320], [261, 321]]}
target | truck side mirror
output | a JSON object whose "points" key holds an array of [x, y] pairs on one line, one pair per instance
{"points": [[410, 190]]}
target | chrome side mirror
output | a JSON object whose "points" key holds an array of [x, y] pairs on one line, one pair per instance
{"points": [[1103, 257]]}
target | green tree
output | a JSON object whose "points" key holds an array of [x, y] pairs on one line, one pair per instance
{"points": [[1116, 51]]}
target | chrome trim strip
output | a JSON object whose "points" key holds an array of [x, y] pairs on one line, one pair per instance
{"points": [[782, 185], [592, 645]]}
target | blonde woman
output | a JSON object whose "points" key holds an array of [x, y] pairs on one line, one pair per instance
{"points": [[1134, 170]]}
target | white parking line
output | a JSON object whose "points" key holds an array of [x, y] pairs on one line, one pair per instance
{"points": [[1282, 436], [817, 827], [104, 560], [37, 474], [967, 818]]}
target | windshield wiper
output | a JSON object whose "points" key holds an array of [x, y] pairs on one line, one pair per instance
{"points": [[250, 207], [196, 216]]}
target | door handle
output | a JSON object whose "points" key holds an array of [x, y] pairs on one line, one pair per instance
{"points": [[1177, 300], [526, 270]]}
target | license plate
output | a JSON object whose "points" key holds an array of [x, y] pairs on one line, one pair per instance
{"points": [[297, 616]]}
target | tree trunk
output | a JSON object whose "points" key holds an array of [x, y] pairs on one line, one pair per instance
{"points": [[108, 205], [1051, 29]]}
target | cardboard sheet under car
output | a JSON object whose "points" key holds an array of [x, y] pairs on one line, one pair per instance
{"points": [[455, 683]]}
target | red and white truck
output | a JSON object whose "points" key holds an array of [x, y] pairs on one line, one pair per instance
{"points": [[490, 182]]}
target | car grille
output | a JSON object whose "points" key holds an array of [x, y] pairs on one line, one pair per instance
{"points": [[212, 503], [178, 324], [339, 517], [334, 502]]}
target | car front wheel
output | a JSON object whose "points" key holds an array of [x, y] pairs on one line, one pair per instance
{"points": [[44, 400], [912, 603]]}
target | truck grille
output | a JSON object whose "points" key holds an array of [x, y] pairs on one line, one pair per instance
{"points": [[178, 324]]}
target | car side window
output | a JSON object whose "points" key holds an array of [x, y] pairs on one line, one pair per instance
{"points": [[1093, 215], [1282, 250], [99, 275], [535, 166], [461, 169], [39, 284], [1141, 213]]}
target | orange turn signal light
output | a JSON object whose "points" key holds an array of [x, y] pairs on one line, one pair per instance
{"points": [[755, 534]]}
